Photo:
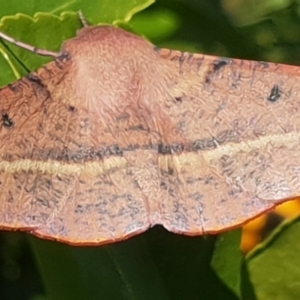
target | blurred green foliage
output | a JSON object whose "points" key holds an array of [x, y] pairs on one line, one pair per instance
{"points": [[157, 264]]}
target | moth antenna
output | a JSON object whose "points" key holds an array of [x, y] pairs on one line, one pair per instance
{"points": [[28, 47], [83, 19]]}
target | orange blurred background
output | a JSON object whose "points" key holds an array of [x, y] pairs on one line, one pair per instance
{"points": [[259, 228]]}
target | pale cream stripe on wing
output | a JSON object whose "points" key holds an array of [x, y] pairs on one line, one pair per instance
{"points": [[192, 159], [55, 167], [290, 140]]}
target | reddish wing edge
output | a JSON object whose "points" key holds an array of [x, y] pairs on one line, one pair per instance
{"points": [[115, 240]]}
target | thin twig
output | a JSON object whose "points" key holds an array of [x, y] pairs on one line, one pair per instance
{"points": [[83, 19]]}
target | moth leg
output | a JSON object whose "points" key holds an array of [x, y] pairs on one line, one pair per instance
{"points": [[28, 47]]}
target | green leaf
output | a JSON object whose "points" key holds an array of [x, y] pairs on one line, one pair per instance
{"points": [[45, 31], [120, 271], [155, 265], [184, 263], [227, 259], [252, 11], [7, 64], [273, 266], [96, 11], [166, 23]]}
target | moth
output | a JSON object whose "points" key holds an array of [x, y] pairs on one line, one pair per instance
{"points": [[116, 135]]}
